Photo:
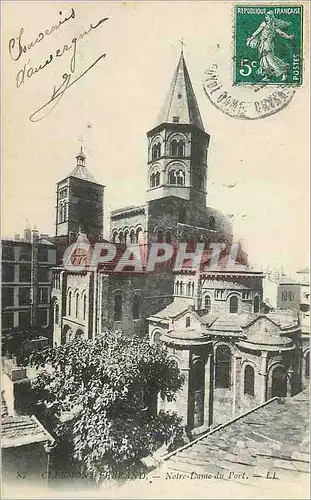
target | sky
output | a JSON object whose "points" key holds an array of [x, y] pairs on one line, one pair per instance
{"points": [[117, 101]]}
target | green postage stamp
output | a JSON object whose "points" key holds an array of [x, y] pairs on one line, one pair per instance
{"points": [[268, 44]]}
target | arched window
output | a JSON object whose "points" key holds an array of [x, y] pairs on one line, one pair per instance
{"points": [[184, 237], [118, 307], [180, 148], [65, 337], [156, 151], [177, 287], [152, 180], [136, 307], [157, 179], [234, 304], [155, 339], [182, 215], [174, 147], [121, 237], [249, 380], [180, 179], [177, 148], [197, 390], [79, 334], [256, 304], [279, 384], [223, 367], [168, 237], [61, 213], [172, 177], [69, 303], [139, 235], [84, 306], [77, 305], [212, 222], [56, 314], [307, 365], [114, 237], [132, 236], [160, 236], [207, 304], [65, 211]]}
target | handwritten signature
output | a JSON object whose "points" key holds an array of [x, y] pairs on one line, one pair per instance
{"points": [[59, 92], [28, 71]]}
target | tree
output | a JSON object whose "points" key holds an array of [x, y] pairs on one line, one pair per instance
{"points": [[99, 396]]}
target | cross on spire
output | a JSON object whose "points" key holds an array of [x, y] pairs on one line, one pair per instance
{"points": [[81, 155], [81, 140], [182, 45]]}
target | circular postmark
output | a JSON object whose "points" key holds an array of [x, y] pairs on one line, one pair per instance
{"points": [[250, 102]]}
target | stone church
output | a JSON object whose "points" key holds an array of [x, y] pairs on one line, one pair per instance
{"points": [[232, 356]]}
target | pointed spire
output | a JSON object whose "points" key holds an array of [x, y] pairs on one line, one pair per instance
{"points": [[180, 105]]}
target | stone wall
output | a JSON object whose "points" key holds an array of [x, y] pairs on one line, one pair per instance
{"points": [[128, 220], [86, 202]]}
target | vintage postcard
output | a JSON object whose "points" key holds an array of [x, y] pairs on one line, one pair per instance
{"points": [[155, 249]]}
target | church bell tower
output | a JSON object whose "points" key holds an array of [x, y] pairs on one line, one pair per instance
{"points": [[80, 204], [177, 145]]}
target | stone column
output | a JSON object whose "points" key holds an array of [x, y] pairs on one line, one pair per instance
{"points": [[209, 390], [263, 376], [237, 384], [289, 382]]}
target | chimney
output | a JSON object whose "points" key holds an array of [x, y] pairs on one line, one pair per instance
{"points": [[16, 237], [27, 234]]}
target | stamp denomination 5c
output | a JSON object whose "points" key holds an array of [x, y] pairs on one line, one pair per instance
{"points": [[268, 44]]}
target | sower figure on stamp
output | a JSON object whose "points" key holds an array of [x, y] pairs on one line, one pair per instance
{"points": [[263, 39]]}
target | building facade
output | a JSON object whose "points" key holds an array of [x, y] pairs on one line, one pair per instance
{"points": [[232, 354], [26, 281], [175, 211]]}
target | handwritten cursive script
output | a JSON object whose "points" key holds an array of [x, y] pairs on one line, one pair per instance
{"points": [[17, 48], [23, 48]]}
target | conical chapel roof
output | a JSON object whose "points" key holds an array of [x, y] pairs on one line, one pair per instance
{"points": [[180, 105]]}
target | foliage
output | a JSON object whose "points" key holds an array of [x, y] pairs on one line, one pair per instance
{"points": [[99, 396]]}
